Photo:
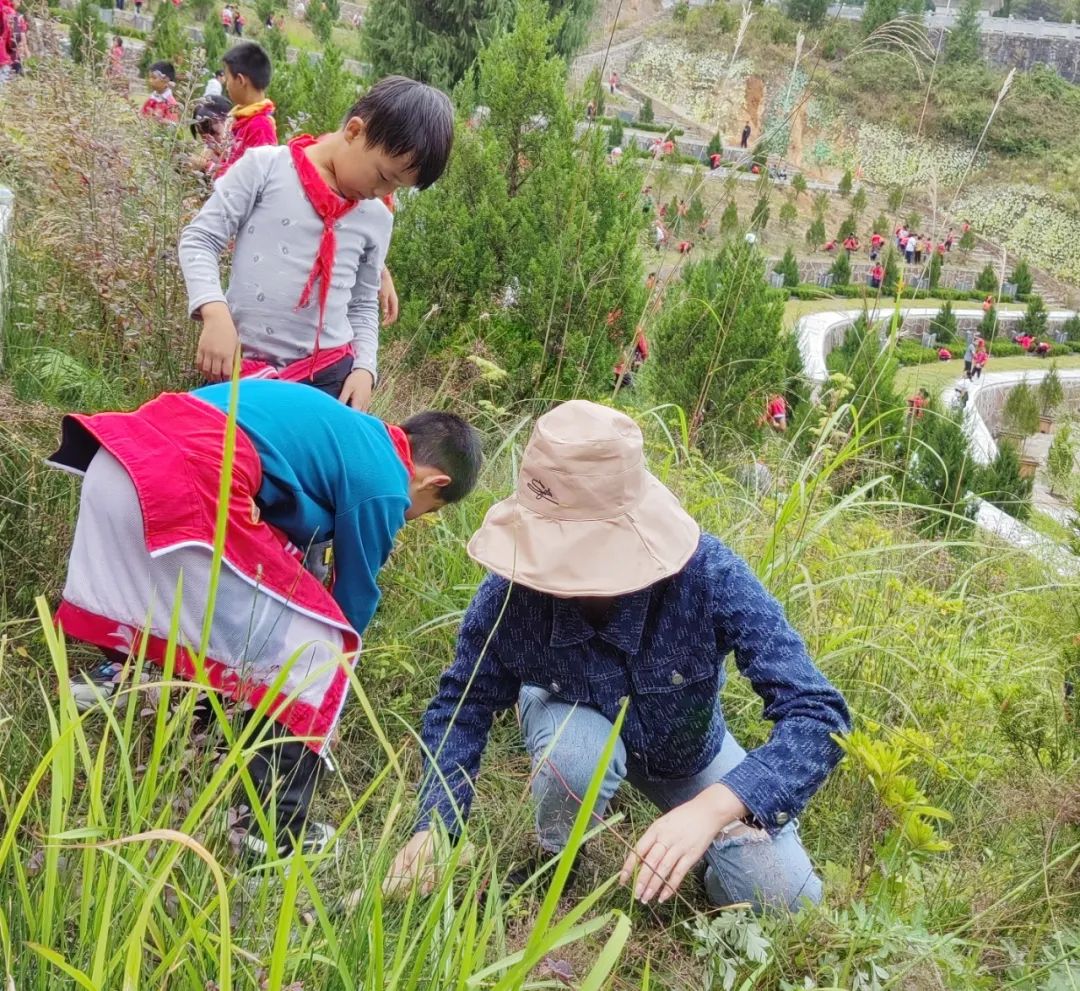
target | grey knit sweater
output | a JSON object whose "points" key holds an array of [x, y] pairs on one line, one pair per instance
{"points": [[261, 203]]}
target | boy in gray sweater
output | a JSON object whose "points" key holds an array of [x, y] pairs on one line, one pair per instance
{"points": [[311, 236]]}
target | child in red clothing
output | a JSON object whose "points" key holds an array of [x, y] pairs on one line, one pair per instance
{"points": [[980, 358], [247, 76], [944, 354], [161, 104]]}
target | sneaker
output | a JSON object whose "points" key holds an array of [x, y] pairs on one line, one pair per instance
{"points": [[316, 838], [102, 682]]}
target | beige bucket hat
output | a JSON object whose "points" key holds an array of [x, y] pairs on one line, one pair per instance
{"points": [[587, 517]]}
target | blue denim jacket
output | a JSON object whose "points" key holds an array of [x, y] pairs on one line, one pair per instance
{"points": [[663, 648]]}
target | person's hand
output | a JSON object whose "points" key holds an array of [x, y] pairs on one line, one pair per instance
{"points": [[413, 863], [217, 342], [388, 301], [675, 842], [356, 392]]}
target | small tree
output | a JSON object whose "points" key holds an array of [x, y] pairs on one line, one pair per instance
{"points": [[846, 181], [963, 43], [695, 212], [729, 219], [988, 326], [896, 198], [1071, 328], [615, 134], [987, 280], [841, 269], [715, 146], [788, 267], [879, 12], [890, 281], [798, 184], [646, 114], [966, 244], [88, 37], [1001, 484], [216, 43], [935, 269], [321, 20], [1021, 412], [939, 471], [1021, 278], [788, 215], [1050, 392], [1060, 460], [859, 201], [168, 41], [821, 204], [201, 9], [944, 324], [848, 227], [759, 218], [1035, 318], [815, 233], [810, 12], [881, 226], [913, 220]]}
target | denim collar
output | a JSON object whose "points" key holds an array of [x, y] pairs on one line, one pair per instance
{"points": [[623, 628]]}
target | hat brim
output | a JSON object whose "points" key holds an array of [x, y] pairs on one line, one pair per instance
{"points": [[569, 558]]}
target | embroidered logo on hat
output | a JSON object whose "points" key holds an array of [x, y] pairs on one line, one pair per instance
{"points": [[541, 491]]}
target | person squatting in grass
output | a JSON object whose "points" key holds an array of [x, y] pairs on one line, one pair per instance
{"points": [[311, 236], [307, 468], [604, 594]]}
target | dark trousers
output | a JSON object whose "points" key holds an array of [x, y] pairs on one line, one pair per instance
{"points": [[331, 380], [285, 774]]}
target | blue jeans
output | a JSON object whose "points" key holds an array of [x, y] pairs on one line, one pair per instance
{"points": [[743, 864]]}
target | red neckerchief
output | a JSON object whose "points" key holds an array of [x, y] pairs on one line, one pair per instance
{"points": [[330, 207], [400, 440]]}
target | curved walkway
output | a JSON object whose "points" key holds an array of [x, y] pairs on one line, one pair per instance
{"points": [[819, 333]]}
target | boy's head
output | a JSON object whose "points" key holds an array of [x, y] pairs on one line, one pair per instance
{"points": [[210, 117], [446, 455], [247, 72], [397, 134], [161, 76]]}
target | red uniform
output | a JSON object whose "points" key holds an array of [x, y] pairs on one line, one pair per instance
{"points": [[252, 126]]}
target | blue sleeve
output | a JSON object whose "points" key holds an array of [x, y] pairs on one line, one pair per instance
{"points": [[363, 538], [458, 721], [776, 780]]}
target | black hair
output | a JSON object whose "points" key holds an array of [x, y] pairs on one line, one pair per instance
{"points": [[166, 69], [404, 117], [208, 110], [446, 442], [219, 72], [249, 59]]}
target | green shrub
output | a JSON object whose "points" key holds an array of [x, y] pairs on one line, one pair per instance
{"points": [[1071, 327], [1000, 484], [944, 325], [815, 234], [841, 269], [88, 37], [844, 186], [881, 226], [935, 269], [729, 219], [1022, 279], [848, 227], [646, 115], [1003, 349], [1035, 319], [810, 12], [940, 471], [788, 267], [615, 136], [987, 280], [909, 352], [1050, 391], [799, 185], [1021, 410], [719, 343], [759, 218], [788, 214], [715, 146]]}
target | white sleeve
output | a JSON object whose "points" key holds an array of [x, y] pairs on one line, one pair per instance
{"points": [[363, 309], [215, 225]]}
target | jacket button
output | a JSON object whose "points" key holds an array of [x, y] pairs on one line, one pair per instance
{"points": [[782, 818], [555, 686], [624, 700], [677, 679]]}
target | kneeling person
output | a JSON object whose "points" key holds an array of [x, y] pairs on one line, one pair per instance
{"points": [[604, 593], [306, 468]]}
